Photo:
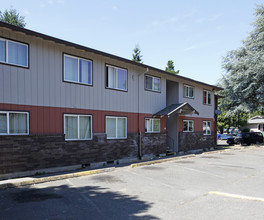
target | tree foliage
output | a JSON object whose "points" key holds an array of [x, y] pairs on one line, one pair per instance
{"points": [[243, 82], [137, 57], [171, 68], [12, 17]]}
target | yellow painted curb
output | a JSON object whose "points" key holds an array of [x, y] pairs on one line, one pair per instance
{"points": [[160, 161], [54, 178]]}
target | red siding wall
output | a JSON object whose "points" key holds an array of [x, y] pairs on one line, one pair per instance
{"points": [[198, 123], [49, 120]]}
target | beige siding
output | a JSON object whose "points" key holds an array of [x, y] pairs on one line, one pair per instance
{"points": [[42, 84], [205, 111]]}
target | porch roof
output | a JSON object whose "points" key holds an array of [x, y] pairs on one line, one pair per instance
{"points": [[177, 108]]}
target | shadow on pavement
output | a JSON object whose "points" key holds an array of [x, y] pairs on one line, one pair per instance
{"points": [[65, 202]]}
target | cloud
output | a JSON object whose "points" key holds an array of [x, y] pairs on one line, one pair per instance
{"points": [[115, 8], [25, 12], [165, 22], [199, 46]]}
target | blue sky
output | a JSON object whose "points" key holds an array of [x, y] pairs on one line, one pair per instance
{"points": [[194, 34]]}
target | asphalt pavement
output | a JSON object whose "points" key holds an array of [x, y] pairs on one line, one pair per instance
{"points": [[216, 185]]}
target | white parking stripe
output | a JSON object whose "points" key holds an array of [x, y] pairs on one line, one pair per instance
{"points": [[237, 196]]}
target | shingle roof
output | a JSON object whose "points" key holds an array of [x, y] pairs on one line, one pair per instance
{"points": [[176, 108]]}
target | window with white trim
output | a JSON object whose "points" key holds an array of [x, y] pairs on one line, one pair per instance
{"points": [[188, 91], [152, 125], [116, 78], [152, 83], [116, 127], [77, 127], [77, 70], [14, 123], [12, 52], [207, 97], [188, 125], [206, 127]]}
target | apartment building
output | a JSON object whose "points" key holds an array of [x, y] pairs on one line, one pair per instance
{"points": [[64, 104]]}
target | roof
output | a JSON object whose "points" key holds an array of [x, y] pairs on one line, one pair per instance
{"points": [[256, 120], [77, 46], [176, 108]]}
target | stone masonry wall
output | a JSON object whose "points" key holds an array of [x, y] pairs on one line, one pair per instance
{"points": [[153, 143], [32, 152], [195, 140]]}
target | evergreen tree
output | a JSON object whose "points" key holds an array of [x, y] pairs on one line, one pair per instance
{"points": [[12, 17], [171, 68], [244, 80], [137, 57]]}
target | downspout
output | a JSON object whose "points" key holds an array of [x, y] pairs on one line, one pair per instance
{"points": [[139, 132]]}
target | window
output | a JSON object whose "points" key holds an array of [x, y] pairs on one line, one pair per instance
{"points": [[152, 125], [116, 78], [207, 97], [188, 91], [206, 127], [152, 83], [14, 123], [14, 53], [77, 70], [116, 127], [78, 127], [188, 125]]}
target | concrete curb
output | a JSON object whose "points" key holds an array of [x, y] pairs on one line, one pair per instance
{"points": [[161, 161], [54, 178]]}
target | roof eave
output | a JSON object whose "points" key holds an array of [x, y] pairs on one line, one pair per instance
{"points": [[77, 46]]}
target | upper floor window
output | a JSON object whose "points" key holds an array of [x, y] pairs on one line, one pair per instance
{"points": [[116, 127], [14, 123], [13, 53], [152, 83], [188, 125], [206, 127], [116, 78], [78, 127], [207, 99], [152, 125], [77, 70], [188, 91]]}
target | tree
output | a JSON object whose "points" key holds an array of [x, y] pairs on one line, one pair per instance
{"points": [[170, 67], [12, 17], [244, 80], [137, 57]]}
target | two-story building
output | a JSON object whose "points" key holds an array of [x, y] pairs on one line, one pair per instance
{"points": [[64, 104]]}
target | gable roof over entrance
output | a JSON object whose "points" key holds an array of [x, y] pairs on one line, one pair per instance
{"points": [[184, 108]]}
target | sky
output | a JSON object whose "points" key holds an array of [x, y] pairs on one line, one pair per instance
{"points": [[194, 34]]}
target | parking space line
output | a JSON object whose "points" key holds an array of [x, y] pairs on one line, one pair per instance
{"points": [[199, 171], [236, 196]]}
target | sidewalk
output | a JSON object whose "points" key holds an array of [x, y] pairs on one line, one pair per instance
{"points": [[17, 182]]}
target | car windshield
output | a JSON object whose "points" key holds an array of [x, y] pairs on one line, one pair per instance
{"points": [[239, 135]]}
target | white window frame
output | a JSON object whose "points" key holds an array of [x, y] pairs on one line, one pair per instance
{"points": [[115, 67], [7, 121], [152, 129], [207, 126], [187, 87], [207, 97], [152, 89], [6, 52], [116, 117], [78, 126], [78, 69], [188, 125]]}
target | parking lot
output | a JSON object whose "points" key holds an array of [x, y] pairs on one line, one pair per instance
{"points": [[220, 185]]}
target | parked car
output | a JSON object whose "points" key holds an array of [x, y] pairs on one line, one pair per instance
{"points": [[225, 136], [246, 138]]}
